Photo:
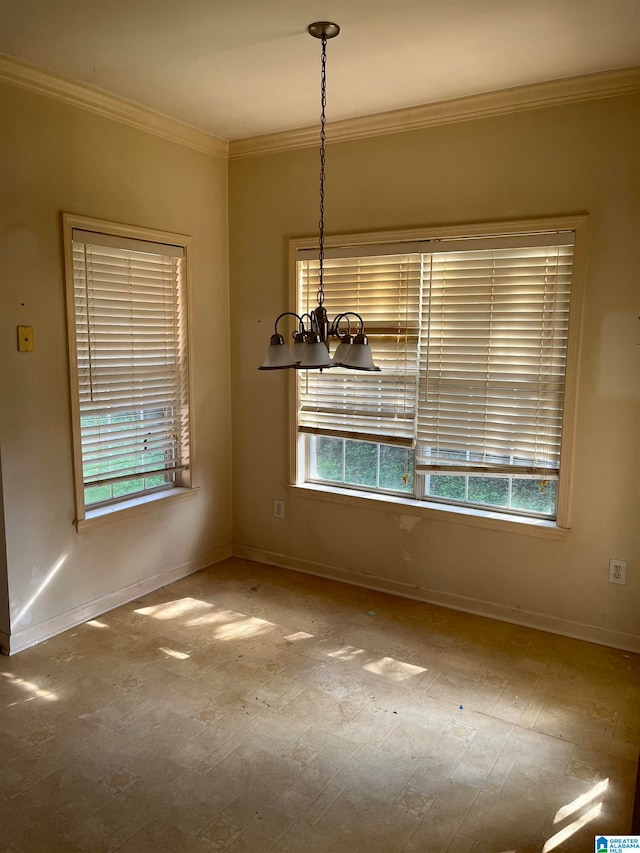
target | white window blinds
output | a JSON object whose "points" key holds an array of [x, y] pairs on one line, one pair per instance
{"points": [[385, 291], [131, 347], [483, 322], [493, 351]]}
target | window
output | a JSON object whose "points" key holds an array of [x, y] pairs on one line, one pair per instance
{"points": [[127, 317], [476, 333]]}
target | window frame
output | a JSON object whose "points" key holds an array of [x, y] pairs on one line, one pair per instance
{"points": [[498, 519], [185, 483]]}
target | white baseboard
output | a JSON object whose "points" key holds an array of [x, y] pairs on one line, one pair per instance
{"points": [[13, 643], [478, 607]]}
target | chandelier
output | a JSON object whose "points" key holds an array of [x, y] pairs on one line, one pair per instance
{"points": [[310, 349]]}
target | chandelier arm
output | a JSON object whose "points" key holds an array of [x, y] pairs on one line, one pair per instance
{"points": [[334, 329], [287, 314], [345, 314], [309, 317]]}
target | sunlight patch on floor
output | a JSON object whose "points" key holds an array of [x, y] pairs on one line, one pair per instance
{"points": [[174, 653], [596, 792], [581, 801], [557, 839], [345, 653], [249, 627], [174, 609], [30, 687], [394, 670], [231, 625], [214, 617], [299, 635]]}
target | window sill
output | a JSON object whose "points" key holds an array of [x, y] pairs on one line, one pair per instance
{"points": [[438, 512], [134, 506]]}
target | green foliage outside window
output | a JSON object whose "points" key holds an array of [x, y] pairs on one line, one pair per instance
{"points": [[102, 468], [536, 496], [360, 463], [396, 468], [390, 468], [493, 491], [329, 459], [363, 463]]}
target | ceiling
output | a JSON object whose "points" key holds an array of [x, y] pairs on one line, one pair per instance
{"points": [[242, 68]]}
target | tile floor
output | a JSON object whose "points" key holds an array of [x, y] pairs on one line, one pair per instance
{"points": [[251, 709]]}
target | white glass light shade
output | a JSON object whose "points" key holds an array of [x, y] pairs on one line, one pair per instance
{"points": [[298, 348], [342, 351], [278, 355], [315, 355], [358, 355]]}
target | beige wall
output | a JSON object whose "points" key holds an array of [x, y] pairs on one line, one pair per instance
{"points": [[54, 157], [59, 158], [563, 160], [4, 589]]}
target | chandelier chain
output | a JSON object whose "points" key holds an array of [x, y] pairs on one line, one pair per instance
{"points": [[323, 102], [311, 342]]}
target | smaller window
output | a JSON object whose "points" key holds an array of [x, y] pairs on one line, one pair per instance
{"points": [[127, 312]]}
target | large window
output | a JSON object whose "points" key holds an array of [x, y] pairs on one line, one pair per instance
{"points": [[127, 316], [476, 334]]}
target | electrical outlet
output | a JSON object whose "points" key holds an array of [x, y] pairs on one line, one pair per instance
{"points": [[278, 509], [617, 571]]}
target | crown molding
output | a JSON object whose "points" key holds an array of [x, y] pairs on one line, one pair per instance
{"points": [[535, 96], [606, 84], [27, 76]]}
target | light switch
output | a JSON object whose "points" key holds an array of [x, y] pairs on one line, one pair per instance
{"points": [[25, 338]]}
